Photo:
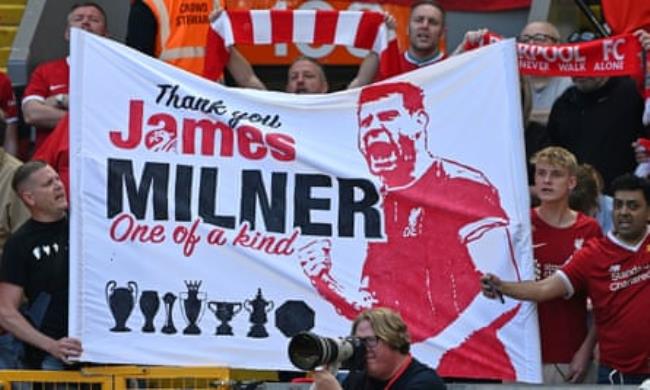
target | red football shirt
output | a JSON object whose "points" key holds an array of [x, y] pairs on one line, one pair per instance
{"points": [[8, 99], [55, 151], [393, 65], [48, 79], [616, 276], [562, 322]]}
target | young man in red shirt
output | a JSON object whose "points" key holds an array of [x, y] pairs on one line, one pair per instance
{"points": [[558, 231], [614, 271]]}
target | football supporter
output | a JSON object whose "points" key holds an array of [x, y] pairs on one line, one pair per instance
{"points": [[45, 100], [12, 214], [598, 119], [35, 263], [545, 89], [614, 271], [558, 231], [425, 29], [306, 76], [9, 115]]}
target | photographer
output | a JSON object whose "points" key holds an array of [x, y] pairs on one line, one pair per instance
{"points": [[389, 365]]}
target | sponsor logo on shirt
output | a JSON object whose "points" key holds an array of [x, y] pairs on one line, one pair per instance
{"points": [[621, 279], [58, 86]]}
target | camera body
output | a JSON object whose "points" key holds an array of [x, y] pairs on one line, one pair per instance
{"points": [[308, 350]]}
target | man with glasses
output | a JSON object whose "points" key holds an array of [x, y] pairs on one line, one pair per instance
{"points": [[389, 365], [545, 89]]}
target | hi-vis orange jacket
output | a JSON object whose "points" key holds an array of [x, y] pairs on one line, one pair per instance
{"points": [[182, 31]]}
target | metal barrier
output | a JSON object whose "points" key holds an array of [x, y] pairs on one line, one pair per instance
{"points": [[213, 378], [134, 377]]}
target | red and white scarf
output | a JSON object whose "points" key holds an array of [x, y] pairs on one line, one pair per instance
{"points": [[613, 56], [364, 30], [619, 55]]}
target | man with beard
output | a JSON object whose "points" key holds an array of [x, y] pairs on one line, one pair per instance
{"points": [[438, 214]]}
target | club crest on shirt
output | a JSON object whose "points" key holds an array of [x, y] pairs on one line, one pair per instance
{"points": [[578, 242], [414, 226]]}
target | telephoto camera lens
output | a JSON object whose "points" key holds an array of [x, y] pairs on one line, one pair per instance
{"points": [[308, 350]]}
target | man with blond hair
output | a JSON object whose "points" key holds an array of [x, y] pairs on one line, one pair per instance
{"points": [[558, 231], [389, 365]]}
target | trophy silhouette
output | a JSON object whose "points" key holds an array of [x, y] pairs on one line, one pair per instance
{"points": [[168, 300], [192, 306], [224, 311], [149, 304], [258, 308], [121, 301]]}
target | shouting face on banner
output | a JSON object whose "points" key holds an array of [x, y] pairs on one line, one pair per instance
{"points": [[392, 132], [442, 219]]}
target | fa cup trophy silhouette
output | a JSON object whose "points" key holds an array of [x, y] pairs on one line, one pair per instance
{"points": [[258, 308]]}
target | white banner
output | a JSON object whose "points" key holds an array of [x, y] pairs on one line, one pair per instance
{"points": [[211, 224]]}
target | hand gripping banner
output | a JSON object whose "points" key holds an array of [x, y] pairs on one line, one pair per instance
{"points": [[209, 225]]}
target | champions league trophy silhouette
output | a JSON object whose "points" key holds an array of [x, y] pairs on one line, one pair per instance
{"points": [[258, 308], [192, 306], [224, 311], [121, 301]]}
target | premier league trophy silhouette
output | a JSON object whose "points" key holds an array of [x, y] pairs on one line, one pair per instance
{"points": [[258, 308], [224, 311], [168, 300], [149, 304], [121, 301], [192, 306]]}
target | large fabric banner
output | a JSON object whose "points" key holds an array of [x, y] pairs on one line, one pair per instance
{"points": [[209, 225]]}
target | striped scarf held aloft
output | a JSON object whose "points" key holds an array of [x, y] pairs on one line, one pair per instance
{"points": [[363, 30]]}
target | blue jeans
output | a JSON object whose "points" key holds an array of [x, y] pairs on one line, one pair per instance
{"points": [[610, 376], [11, 352]]}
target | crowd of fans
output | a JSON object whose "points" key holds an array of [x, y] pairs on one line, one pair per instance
{"points": [[580, 137]]}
